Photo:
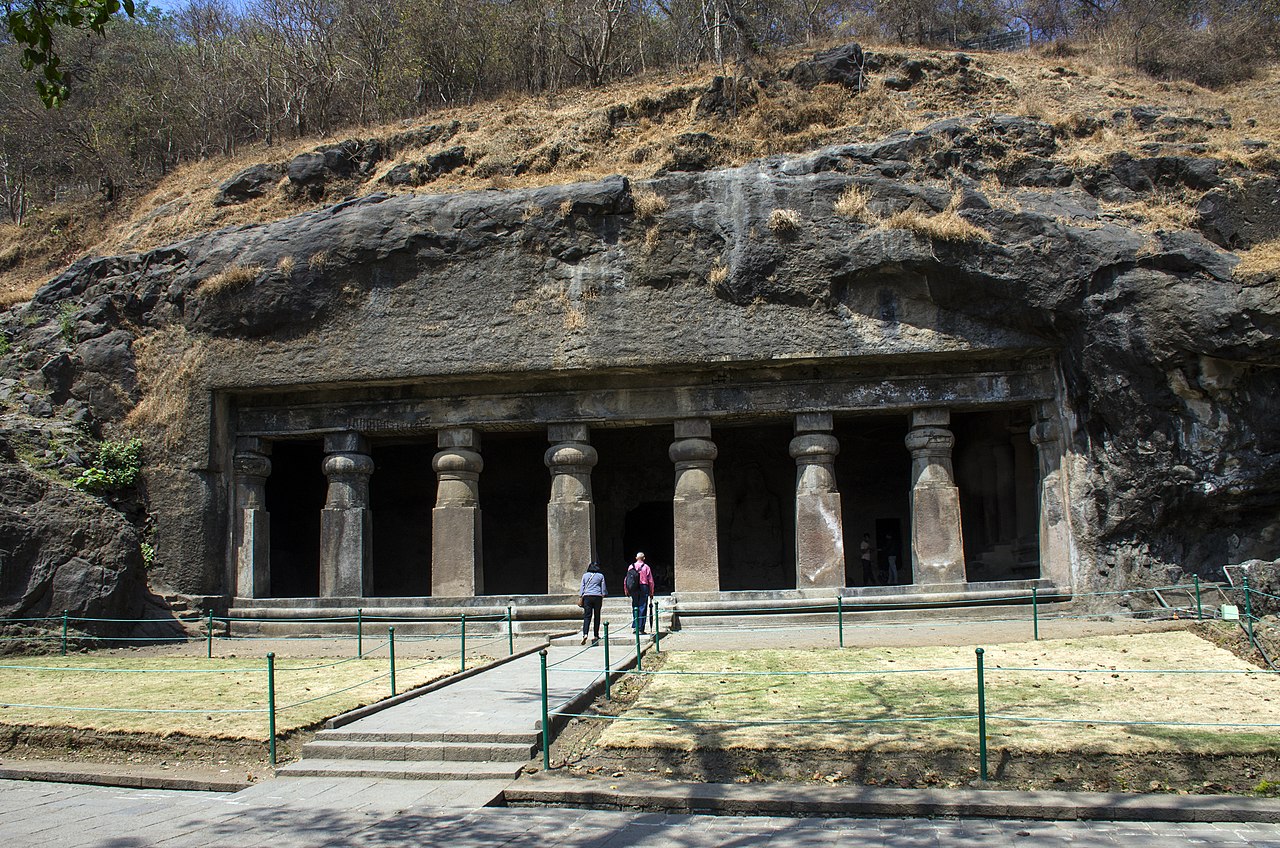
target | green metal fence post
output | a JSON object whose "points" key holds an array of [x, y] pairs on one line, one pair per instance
{"points": [[511, 635], [64, 632], [639, 655], [462, 652], [391, 648], [271, 705], [840, 618], [360, 633], [1248, 611], [657, 629], [1035, 614], [1199, 609], [546, 725], [209, 637], [982, 719], [608, 684]]}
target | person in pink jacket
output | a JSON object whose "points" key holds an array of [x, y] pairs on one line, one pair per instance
{"points": [[638, 584]]}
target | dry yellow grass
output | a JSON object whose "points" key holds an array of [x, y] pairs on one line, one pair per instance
{"points": [[1162, 210], [945, 226], [567, 137], [169, 364], [852, 204], [784, 221], [648, 204], [1096, 694], [218, 698], [1262, 260], [232, 278]]}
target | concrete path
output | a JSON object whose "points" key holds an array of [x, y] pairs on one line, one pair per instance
{"points": [[311, 812], [484, 728]]}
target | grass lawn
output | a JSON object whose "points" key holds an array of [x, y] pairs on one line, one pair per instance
{"points": [[224, 698], [1090, 682]]}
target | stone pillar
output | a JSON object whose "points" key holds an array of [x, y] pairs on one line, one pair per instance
{"points": [[346, 525], [1055, 539], [697, 565], [937, 547], [571, 512], [819, 527], [251, 523], [457, 563]]}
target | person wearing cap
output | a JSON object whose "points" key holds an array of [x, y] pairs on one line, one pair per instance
{"points": [[639, 588], [592, 593]]}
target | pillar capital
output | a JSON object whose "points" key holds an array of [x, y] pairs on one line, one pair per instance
{"points": [[693, 451], [814, 447], [571, 458], [457, 464], [251, 465]]}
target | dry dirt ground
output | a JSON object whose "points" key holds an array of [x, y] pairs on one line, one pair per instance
{"points": [[651, 739]]}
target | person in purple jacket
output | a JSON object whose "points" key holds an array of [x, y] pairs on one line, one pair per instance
{"points": [[638, 585], [592, 592]]}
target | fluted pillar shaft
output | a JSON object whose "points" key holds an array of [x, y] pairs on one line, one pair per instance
{"points": [[251, 523], [937, 546], [346, 525], [819, 527], [697, 565], [571, 510], [457, 561]]}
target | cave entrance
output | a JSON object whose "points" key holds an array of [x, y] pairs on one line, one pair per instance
{"points": [[295, 493], [633, 484], [873, 473], [755, 507], [401, 496], [514, 488], [998, 477], [650, 527]]}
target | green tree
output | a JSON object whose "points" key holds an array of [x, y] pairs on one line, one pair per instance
{"points": [[31, 24]]}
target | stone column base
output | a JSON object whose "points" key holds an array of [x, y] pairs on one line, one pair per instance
{"points": [[456, 558], [819, 542]]}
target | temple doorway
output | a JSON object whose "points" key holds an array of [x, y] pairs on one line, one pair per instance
{"points": [[295, 494]]}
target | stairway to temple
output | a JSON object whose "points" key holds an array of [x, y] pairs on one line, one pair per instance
{"points": [[484, 727]]}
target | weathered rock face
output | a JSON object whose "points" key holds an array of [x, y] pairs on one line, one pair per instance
{"points": [[1167, 359], [63, 550]]}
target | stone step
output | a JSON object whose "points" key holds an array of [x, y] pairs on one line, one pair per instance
{"points": [[475, 752], [529, 738], [402, 769]]}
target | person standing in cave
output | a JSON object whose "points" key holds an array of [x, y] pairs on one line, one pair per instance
{"points": [[868, 567], [592, 592], [638, 585]]}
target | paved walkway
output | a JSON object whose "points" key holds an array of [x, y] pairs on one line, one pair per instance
{"points": [[481, 728], [314, 812]]}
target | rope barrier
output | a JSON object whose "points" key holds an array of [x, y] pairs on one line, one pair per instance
{"points": [[127, 709], [1122, 722], [775, 722], [842, 673], [131, 670]]}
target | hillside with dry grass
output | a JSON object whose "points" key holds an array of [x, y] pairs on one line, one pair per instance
{"points": [[687, 121]]}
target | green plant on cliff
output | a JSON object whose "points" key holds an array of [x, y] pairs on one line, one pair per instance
{"points": [[116, 467]]}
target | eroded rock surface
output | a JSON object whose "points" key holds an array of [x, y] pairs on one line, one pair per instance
{"points": [[1168, 357]]}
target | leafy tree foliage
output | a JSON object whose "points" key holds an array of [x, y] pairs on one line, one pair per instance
{"points": [[32, 23]]}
